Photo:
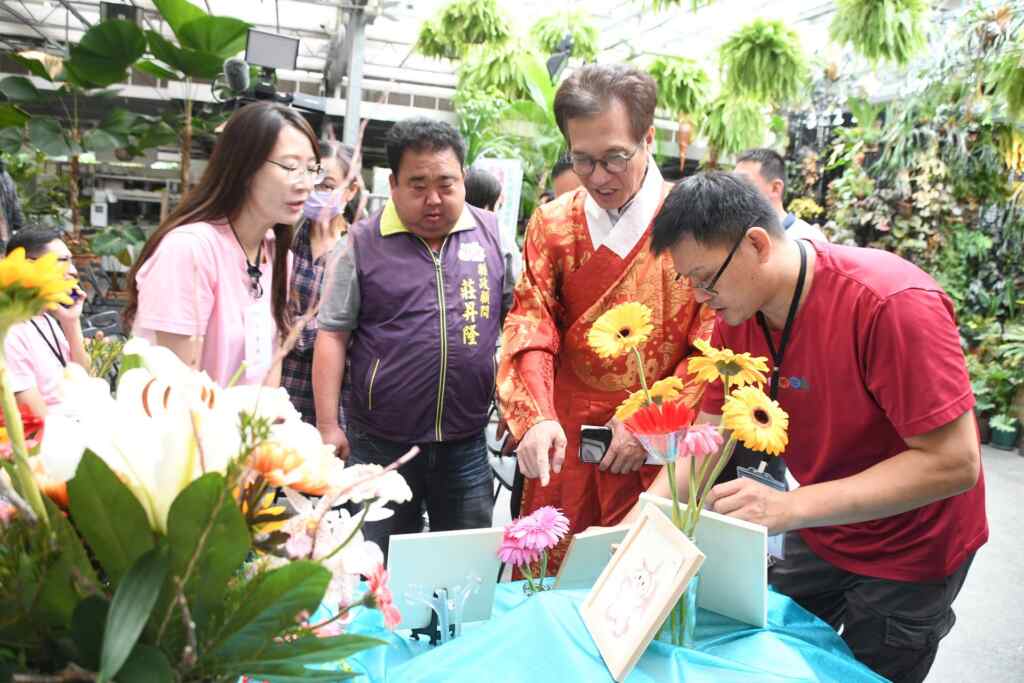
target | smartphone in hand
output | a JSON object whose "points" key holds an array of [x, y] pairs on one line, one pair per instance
{"points": [[594, 443]]}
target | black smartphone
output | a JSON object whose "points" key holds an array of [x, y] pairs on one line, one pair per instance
{"points": [[594, 443]]}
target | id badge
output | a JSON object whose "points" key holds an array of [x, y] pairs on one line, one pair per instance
{"points": [[259, 342], [776, 542]]}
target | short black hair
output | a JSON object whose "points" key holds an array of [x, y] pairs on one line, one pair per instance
{"points": [[482, 189], [421, 134], [773, 166], [563, 164], [33, 239], [714, 208]]}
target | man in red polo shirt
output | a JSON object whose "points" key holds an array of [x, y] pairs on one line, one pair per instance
{"points": [[891, 504]]}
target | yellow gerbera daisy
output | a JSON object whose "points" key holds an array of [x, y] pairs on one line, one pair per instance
{"points": [[620, 330], [740, 368], [30, 286], [664, 390], [757, 421]]}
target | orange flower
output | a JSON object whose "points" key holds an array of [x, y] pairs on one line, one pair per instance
{"points": [[56, 490], [664, 418], [273, 460]]}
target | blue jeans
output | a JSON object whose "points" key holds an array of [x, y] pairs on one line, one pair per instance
{"points": [[451, 479]]}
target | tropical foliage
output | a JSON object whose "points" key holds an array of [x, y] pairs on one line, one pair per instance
{"points": [[763, 61], [880, 29]]}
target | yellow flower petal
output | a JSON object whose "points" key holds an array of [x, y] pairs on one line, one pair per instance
{"points": [[740, 368], [620, 330], [757, 421], [30, 286], [662, 391]]}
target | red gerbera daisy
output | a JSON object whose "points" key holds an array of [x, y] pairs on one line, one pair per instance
{"points": [[665, 418]]}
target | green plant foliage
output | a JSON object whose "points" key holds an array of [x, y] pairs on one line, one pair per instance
{"points": [[461, 25], [734, 124], [1007, 75], [104, 53], [660, 5], [496, 70], [880, 29], [683, 85], [764, 61], [130, 608], [549, 31]]}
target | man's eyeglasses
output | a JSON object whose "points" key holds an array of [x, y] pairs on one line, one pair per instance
{"points": [[616, 162], [296, 174], [709, 288]]}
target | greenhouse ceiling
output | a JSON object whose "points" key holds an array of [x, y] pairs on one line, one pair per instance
{"points": [[627, 28]]}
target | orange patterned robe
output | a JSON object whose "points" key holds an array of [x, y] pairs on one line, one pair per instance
{"points": [[548, 371]]}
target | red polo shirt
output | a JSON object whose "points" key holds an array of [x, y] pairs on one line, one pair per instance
{"points": [[874, 358]]}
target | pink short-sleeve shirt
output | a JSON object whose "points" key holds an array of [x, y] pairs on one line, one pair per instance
{"points": [[196, 283], [34, 351]]}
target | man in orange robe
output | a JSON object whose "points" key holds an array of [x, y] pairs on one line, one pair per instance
{"points": [[586, 252]]}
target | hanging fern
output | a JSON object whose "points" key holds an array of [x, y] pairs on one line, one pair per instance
{"points": [[733, 124], [763, 61], [683, 86], [462, 24], [432, 42], [1007, 76], [880, 29], [549, 31], [496, 70]]}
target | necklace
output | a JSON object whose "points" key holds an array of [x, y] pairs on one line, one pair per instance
{"points": [[251, 269]]}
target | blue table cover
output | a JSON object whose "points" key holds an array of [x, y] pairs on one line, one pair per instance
{"points": [[542, 639]]}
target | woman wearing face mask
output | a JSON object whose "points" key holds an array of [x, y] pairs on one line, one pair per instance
{"points": [[324, 227], [211, 282]]}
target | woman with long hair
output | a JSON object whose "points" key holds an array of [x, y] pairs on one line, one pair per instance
{"points": [[211, 283], [324, 229]]}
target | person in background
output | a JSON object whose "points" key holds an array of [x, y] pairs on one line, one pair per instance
{"points": [[211, 283], [324, 227], [414, 303], [38, 350], [766, 169], [482, 189], [586, 252], [563, 178], [890, 511], [11, 219]]}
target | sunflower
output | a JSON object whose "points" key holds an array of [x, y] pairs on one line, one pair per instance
{"points": [[740, 368], [29, 286], [663, 391], [620, 330], [757, 421]]}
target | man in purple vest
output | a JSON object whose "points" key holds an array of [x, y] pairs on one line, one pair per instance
{"points": [[414, 305]]}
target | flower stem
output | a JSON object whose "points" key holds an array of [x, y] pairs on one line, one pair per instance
{"points": [[677, 517], [529, 577], [543, 568], [362, 520], [23, 479], [643, 376]]}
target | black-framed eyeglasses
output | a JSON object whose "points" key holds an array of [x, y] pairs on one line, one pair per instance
{"points": [[616, 162], [709, 288], [296, 174]]}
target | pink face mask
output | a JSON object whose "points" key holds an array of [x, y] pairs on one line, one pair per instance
{"points": [[323, 206]]}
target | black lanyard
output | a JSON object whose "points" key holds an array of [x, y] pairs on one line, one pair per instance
{"points": [[55, 344], [773, 386]]}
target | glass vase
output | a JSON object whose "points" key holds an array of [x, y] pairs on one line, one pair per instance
{"points": [[680, 628], [538, 586]]}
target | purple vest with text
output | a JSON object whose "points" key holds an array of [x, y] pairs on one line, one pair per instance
{"points": [[422, 361]]}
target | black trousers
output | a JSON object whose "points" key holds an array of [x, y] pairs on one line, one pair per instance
{"points": [[893, 627]]}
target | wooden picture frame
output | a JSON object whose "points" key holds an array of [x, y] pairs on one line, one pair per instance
{"points": [[735, 579], [636, 591]]}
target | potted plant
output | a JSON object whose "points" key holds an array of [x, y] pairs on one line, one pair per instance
{"points": [[1004, 431]]}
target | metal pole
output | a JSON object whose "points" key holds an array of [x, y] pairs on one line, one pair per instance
{"points": [[354, 96]]}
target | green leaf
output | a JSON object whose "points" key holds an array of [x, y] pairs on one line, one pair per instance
{"points": [[309, 650], [177, 13], [87, 626], [19, 89], [109, 517], [272, 601], [221, 36], [34, 66], [120, 122], [99, 140], [11, 139], [158, 70], [12, 116], [204, 518], [538, 82], [146, 664], [130, 609], [48, 136], [104, 53], [71, 544], [189, 62]]}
